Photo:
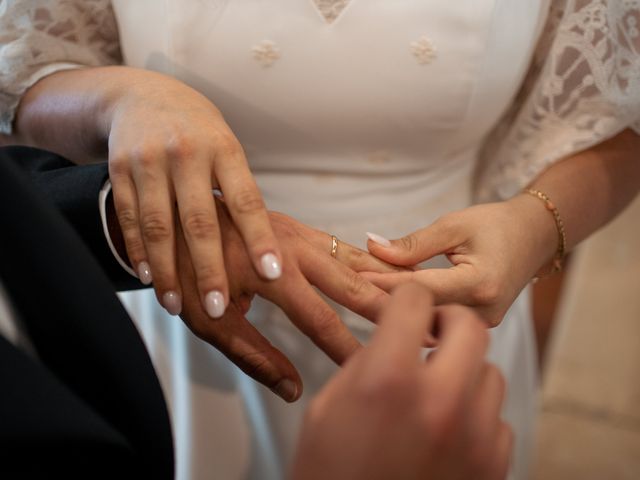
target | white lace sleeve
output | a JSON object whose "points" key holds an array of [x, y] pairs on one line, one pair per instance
{"points": [[40, 37], [583, 88]]}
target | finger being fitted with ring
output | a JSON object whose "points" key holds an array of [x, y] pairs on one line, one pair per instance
{"points": [[355, 258]]}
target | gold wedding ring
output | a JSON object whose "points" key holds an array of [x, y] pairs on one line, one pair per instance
{"points": [[334, 246]]}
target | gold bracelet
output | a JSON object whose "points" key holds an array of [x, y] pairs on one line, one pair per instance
{"points": [[558, 258]]}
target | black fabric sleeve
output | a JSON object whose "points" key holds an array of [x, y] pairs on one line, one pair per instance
{"points": [[48, 431], [73, 189]]}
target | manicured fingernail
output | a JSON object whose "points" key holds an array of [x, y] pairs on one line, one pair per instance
{"points": [[287, 390], [172, 302], [380, 240], [214, 303], [144, 273], [271, 267]]}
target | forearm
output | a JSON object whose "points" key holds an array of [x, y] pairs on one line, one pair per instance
{"points": [[589, 189]]}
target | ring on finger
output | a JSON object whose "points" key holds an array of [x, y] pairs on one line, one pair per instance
{"points": [[334, 246]]}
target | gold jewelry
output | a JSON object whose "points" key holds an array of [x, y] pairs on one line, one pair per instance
{"points": [[558, 258], [334, 246]]}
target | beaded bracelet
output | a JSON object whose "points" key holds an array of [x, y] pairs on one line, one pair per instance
{"points": [[558, 258]]}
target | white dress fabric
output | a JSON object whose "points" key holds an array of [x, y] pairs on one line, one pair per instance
{"points": [[356, 115]]}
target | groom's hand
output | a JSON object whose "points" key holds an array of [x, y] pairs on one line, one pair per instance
{"points": [[390, 414], [307, 262]]}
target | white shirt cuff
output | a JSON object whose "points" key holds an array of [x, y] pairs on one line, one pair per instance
{"points": [[102, 205]]}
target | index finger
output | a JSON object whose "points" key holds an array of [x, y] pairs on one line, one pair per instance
{"points": [[247, 209], [463, 343], [404, 321]]}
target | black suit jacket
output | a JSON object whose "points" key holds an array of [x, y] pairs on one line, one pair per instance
{"points": [[90, 406]]}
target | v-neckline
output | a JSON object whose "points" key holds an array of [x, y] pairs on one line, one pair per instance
{"points": [[330, 10]]}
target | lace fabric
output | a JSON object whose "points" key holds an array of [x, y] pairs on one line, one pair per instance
{"points": [[331, 9], [583, 87], [41, 37]]}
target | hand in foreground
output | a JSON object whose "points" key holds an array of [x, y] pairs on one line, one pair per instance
{"points": [[389, 414], [168, 144], [495, 250], [307, 262]]}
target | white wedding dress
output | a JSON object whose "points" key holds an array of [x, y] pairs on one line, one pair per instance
{"points": [[356, 115]]}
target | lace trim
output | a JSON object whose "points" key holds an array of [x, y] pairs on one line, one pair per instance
{"points": [[583, 87], [41, 37]]}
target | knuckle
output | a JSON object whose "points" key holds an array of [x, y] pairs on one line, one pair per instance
{"points": [[256, 364], [410, 242], [128, 219], [355, 285], [155, 227], [325, 321], [146, 156], [119, 166], [179, 147], [355, 255], [199, 225], [247, 202]]}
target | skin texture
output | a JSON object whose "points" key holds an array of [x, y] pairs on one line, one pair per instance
{"points": [[307, 263], [495, 249], [389, 414], [167, 145]]}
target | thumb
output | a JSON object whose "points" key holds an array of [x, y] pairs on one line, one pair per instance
{"points": [[411, 249]]}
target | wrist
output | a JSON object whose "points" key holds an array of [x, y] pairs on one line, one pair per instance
{"points": [[538, 228]]}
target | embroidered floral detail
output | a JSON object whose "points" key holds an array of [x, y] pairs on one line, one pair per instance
{"points": [[423, 50], [266, 53], [331, 9]]}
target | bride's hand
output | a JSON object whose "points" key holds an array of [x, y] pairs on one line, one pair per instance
{"points": [[495, 249], [307, 261], [168, 147]]}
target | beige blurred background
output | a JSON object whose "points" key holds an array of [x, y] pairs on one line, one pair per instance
{"points": [[589, 420]]}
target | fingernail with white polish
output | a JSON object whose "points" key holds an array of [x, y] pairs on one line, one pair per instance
{"points": [[172, 302], [380, 240], [271, 267], [144, 273], [287, 390], [214, 303]]}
